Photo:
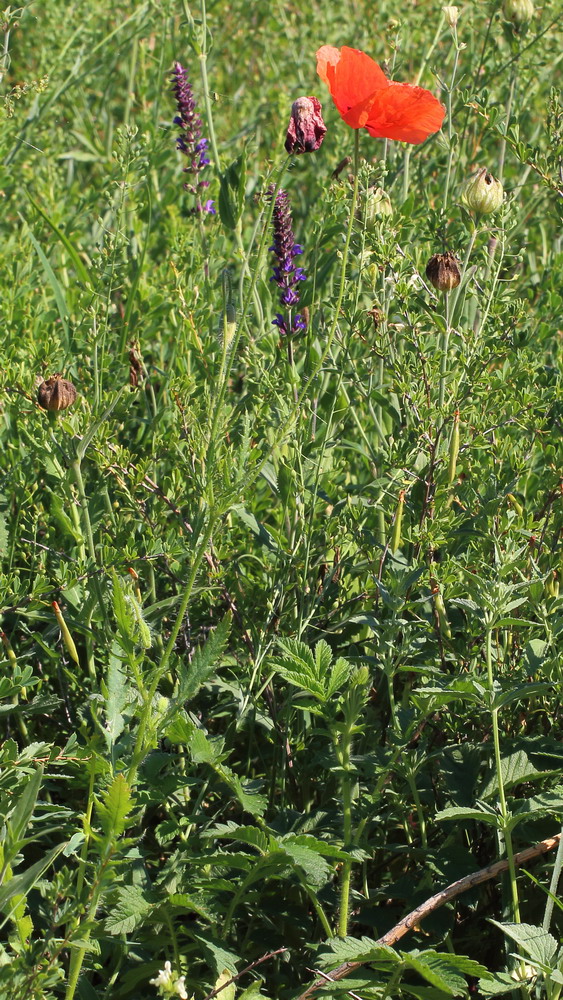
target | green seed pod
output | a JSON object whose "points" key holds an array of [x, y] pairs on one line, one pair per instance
{"points": [[518, 11], [440, 609], [515, 504], [454, 449], [484, 194], [66, 636], [397, 524]]}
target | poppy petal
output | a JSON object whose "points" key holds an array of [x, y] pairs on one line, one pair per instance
{"points": [[354, 80], [405, 113]]}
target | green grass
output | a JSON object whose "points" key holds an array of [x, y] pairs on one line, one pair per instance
{"points": [[308, 668]]}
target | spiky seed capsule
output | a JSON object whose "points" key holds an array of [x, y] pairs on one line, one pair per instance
{"points": [[56, 393], [484, 194], [518, 11], [442, 271]]}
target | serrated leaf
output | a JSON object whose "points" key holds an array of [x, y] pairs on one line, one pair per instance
{"points": [[114, 810], [534, 941], [339, 950], [459, 812], [312, 865], [515, 769], [127, 910], [116, 697], [496, 984], [205, 659]]}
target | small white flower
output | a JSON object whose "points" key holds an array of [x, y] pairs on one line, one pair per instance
{"points": [[180, 988], [164, 977]]}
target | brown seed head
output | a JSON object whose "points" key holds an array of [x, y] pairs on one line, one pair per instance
{"points": [[56, 393], [442, 271]]}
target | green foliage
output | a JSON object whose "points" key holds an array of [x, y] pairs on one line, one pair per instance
{"points": [[305, 668]]}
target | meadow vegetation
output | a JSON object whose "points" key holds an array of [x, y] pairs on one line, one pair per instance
{"points": [[281, 617]]}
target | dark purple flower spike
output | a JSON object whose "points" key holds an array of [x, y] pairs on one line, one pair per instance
{"points": [[190, 141], [306, 128], [285, 274]]}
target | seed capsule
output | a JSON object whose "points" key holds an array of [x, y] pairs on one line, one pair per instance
{"points": [[484, 194], [56, 393], [442, 271], [518, 11]]}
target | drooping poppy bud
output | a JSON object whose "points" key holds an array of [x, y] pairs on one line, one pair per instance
{"points": [[518, 11], [442, 271], [484, 194], [56, 393], [306, 129]]}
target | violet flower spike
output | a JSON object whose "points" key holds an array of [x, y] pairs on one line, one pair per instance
{"points": [[284, 272], [190, 141], [306, 129]]}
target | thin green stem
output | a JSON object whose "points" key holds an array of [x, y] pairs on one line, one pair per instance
{"points": [[502, 150], [140, 748], [450, 123], [507, 836], [555, 876], [444, 346]]}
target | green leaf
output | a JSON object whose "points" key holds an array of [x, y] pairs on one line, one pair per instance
{"points": [[115, 808], [444, 971], [458, 813], [23, 810], [205, 659], [496, 984], [58, 292], [20, 885], [116, 697], [339, 950], [534, 941], [69, 246], [314, 868], [231, 192], [516, 769], [127, 910]]}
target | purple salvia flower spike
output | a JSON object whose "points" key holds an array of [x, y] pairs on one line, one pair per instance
{"points": [[190, 141]]}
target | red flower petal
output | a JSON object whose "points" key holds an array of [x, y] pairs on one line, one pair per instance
{"points": [[365, 97], [353, 79], [405, 113]]}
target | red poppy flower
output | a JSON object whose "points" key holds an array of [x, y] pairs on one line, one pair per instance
{"points": [[365, 98]]}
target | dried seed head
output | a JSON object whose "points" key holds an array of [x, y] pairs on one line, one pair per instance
{"points": [[443, 272], [518, 11], [56, 393], [484, 194]]}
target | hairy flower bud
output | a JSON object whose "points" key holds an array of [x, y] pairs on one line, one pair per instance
{"points": [[518, 11], [377, 204], [56, 393], [306, 129], [484, 194], [451, 15], [442, 271]]}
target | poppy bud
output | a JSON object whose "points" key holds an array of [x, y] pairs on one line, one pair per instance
{"points": [[56, 393], [484, 194], [377, 205], [518, 11], [306, 128], [442, 271], [451, 15]]}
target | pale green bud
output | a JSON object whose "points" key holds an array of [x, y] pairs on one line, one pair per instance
{"points": [[484, 194], [518, 11], [377, 205]]}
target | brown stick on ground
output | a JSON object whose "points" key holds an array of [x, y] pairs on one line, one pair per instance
{"points": [[444, 896]]}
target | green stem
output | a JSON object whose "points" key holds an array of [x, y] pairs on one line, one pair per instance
{"points": [[555, 876], [461, 286], [444, 346], [290, 419], [87, 527], [450, 123], [507, 836], [502, 150], [140, 748]]}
